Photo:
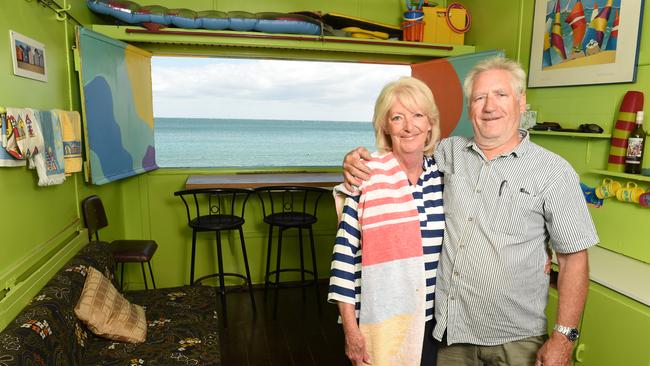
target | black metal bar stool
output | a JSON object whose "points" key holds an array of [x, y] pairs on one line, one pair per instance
{"points": [[289, 207], [223, 210], [124, 250]]}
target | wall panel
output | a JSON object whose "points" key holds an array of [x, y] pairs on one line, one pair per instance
{"points": [[33, 215]]}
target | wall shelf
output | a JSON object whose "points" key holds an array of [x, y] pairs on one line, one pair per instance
{"points": [[587, 140], [637, 177], [192, 38], [572, 134]]}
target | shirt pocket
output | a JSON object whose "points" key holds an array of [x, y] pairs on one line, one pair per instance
{"points": [[512, 212]]}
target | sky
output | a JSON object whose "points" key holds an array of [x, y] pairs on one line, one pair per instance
{"points": [[193, 87]]}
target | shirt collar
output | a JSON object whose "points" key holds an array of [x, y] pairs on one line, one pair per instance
{"points": [[524, 144], [518, 151]]}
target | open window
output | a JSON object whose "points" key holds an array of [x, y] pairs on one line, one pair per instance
{"points": [[258, 113]]}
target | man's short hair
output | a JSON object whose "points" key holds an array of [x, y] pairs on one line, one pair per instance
{"points": [[517, 73]]}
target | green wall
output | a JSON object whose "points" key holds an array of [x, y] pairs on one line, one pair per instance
{"points": [[34, 215]]}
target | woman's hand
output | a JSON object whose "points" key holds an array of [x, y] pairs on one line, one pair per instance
{"points": [[355, 348], [355, 170], [355, 344]]}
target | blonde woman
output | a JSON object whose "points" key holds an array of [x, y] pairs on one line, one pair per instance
{"points": [[385, 296]]}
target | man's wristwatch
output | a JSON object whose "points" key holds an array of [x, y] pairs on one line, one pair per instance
{"points": [[571, 333]]}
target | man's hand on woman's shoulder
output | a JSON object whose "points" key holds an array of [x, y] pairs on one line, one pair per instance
{"points": [[355, 170]]}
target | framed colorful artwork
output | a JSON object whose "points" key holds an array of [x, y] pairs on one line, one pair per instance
{"points": [[28, 57], [582, 42]]}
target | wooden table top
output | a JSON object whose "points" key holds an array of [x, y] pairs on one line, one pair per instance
{"points": [[254, 180]]}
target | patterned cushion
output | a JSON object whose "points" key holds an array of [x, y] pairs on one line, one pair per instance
{"points": [[107, 313]]}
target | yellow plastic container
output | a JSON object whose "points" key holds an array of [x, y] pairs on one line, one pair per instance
{"points": [[436, 29]]}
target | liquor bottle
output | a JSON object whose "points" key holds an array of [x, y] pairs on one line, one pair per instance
{"points": [[635, 143]]}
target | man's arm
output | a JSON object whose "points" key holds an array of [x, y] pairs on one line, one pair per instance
{"points": [[355, 170], [572, 287]]}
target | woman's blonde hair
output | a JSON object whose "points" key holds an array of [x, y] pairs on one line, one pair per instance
{"points": [[414, 95]]}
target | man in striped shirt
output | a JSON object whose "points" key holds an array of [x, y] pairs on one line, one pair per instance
{"points": [[505, 198]]}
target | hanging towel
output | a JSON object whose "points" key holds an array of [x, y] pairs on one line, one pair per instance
{"points": [[26, 140], [393, 283], [14, 132], [35, 145], [71, 133], [49, 162], [3, 126], [7, 159]]}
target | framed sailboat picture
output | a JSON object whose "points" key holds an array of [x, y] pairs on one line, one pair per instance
{"points": [[583, 42]]}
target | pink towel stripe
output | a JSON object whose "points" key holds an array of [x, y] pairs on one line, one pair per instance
{"points": [[387, 200], [391, 242], [388, 240], [388, 217], [387, 185], [384, 158], [387, 170]]}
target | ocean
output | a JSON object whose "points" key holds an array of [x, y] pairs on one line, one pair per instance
{"points": [[203, 143]]}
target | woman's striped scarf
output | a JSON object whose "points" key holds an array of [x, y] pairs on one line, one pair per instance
{"points": [[391, 317]]}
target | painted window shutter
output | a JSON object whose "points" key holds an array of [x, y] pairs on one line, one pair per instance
{"points": [[117, 107]]}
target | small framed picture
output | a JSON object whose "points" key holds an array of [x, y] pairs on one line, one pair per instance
{"points": [[28, 57]]}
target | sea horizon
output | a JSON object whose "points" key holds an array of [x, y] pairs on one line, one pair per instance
{"points": [[235, 143], [257, 119]]}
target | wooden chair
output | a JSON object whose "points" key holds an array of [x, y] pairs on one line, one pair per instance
{"points": [[124, 250]]}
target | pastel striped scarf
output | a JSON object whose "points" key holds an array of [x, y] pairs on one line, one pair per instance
{"points": [[393, 283]]}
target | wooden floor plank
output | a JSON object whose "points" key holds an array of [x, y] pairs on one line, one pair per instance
{"points": [[305, 332]]}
